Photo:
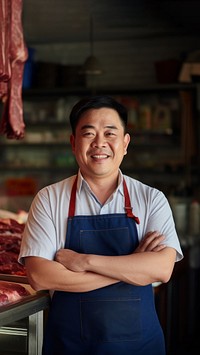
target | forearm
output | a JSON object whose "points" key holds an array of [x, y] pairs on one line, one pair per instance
{"points": [[137, 268], [45, 274], [152, 261]]}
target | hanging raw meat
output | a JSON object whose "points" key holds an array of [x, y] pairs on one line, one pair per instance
{"points": [[13, 54]]}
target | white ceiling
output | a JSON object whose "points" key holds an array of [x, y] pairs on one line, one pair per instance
{"points": [[67, 21]]}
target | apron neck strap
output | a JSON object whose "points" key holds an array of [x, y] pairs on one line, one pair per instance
{"points": [[72, 201], [128, 208]]}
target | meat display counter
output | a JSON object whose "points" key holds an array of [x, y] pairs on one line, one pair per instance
{"points": [[22, 321]]}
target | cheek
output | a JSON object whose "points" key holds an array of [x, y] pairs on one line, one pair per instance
{"points": [[120, 147], [80, 150]]}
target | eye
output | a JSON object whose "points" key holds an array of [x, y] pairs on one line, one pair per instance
{"points": [[110, 134], [88, 134]]}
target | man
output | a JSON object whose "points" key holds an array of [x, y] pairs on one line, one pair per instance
{"points": [[98, 241]]}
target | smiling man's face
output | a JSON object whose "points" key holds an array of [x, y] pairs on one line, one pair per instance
{"points": [[99, 143]]}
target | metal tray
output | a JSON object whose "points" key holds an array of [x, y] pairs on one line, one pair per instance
{"points": [[28, 305]]}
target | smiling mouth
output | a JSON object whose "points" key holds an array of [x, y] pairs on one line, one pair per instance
{"points": [[100, 156]]}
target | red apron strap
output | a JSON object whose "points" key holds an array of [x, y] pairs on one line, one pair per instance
{"points": [[72, 201], [128, 207]]}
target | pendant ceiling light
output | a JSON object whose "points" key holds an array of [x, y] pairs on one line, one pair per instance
{"points": [[91, 65]]}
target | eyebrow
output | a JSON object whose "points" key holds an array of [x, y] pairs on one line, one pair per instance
{"points": [[91, 126]]}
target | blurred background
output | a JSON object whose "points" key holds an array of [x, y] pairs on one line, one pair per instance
{"points": [[147, 55]]}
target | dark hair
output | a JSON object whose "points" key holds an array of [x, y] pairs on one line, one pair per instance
{"points": [[96, 102]]}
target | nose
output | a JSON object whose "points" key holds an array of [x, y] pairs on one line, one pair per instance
{"points": [[99, 141]]}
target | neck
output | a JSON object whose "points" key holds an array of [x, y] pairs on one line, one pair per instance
{"points": [[103, 188]]}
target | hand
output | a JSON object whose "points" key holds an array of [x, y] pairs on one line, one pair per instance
{"points": [[71, 260], [152, 241]]}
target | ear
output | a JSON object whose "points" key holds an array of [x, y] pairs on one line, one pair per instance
{"points": [[72, 142], [127, 139]]}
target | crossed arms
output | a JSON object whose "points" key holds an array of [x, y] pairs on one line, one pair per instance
{"points": [[152, 261]]}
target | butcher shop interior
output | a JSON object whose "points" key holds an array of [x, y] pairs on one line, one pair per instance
{"points": [[146, 55]]}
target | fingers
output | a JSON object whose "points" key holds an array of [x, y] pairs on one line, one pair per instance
{"points": [[159, 247], [152, 241]]}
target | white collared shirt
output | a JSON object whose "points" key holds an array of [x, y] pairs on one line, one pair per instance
{"points": [[45, 230]]}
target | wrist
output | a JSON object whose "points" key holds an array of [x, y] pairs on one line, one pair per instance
{"points": [[87, 262]]}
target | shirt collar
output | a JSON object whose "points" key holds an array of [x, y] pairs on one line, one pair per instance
{"points": [[82, 183]]}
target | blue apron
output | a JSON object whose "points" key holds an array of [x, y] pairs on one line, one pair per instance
{"points": [[119, 319]]}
